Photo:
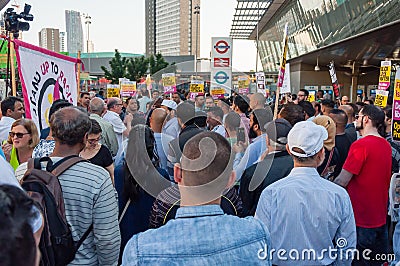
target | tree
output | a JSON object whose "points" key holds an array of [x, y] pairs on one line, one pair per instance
{"points": [[118, 68], [137, 68], [156, 63]]}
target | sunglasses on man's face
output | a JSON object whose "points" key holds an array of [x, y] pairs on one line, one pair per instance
{"points": [[18, 135]]}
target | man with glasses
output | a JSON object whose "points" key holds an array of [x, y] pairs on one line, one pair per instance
{"points": [[302, 95], [366, 175], [114, 106]]}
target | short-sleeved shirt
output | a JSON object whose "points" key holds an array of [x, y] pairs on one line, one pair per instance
{"points": [[370, 162], [102, 158]]}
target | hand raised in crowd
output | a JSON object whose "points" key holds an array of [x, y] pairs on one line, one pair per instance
{"points": [[128, 118], [239, 147], [7, 147]]}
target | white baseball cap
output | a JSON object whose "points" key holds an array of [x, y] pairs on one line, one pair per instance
{"points": [[170, 104], [307, 136]]}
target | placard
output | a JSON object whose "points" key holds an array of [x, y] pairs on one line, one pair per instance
{"points": [[169, 83], [384, 75], [113, 91], [381, 98]]}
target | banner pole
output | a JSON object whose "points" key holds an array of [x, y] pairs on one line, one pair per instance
{"points": [[277, 93], [12, 65], [79, 77]]}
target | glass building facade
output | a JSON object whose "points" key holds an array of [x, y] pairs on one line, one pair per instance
{"points": [[317, 23]]}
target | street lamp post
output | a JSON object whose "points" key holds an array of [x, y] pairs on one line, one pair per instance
{"points": [[257, 41], [197, 13], [87, 23]]}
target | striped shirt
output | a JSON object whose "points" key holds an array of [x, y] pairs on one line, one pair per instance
{"points": [[89, 197]]}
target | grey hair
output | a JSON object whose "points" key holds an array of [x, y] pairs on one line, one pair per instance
{"points": [[69, 125], [96, 105]]}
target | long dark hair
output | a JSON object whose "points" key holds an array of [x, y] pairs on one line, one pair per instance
{"points": [[140, 162]]}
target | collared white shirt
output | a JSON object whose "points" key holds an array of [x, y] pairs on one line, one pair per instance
{"points": [[118, 127], [5, 127]]}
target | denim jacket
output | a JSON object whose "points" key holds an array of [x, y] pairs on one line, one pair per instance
{"points": [[201, 235]]}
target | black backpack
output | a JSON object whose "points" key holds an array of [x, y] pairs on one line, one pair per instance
{"points": [[56, 243]]}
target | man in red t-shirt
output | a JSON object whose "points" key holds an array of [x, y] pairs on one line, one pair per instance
{"points": [[366, 175]]}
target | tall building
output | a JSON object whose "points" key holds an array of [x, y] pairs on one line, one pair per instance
{"points": [[63, 46], [50, 39], [173, 27], [73, 24], [150, 25]]}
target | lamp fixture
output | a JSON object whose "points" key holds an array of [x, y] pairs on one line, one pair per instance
{"points": [[317, 68]]}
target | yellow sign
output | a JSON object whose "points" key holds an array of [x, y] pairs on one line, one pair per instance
{"points": [[168, 80], [128, 87], [381, 98], [311, 96], [197, 86], [243, 83], [112, 92], [397, 90], [384, 75], [217, 91]]}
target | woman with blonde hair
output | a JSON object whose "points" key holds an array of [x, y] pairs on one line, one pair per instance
{"points": [[22, 139]]}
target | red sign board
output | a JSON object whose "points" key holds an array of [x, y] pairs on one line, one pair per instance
{"points": [[221, 62]]}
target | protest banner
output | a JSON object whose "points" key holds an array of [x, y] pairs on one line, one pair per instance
{"points": [[243, 85], [113, 91], [384, 75], [46, 76], [381, 98], [281, 73], [197, 86], [260, 81], [169, 83], [217, 92], [311, 96], [286, 80], [335, 82], [396, 108], [128, 88]]}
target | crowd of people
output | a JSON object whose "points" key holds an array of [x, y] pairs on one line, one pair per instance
{"points": [[189, 179]]}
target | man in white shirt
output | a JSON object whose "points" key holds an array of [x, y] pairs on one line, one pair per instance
{"points": [[214, 120], [12, 108], [171, 126], [114, 106]]}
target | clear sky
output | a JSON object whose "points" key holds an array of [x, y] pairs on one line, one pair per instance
{"points": [[120, 24]]}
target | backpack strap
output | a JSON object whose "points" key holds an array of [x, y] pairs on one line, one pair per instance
{"points": [[124, 211], [85, 235], [62, 165]]}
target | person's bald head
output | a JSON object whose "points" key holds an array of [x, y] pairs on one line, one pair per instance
{"points": [[257, 101], [97, 105], [157, 119], [349, 112]]}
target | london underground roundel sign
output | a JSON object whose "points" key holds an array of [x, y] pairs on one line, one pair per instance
{"points": [[221, 47], [221, 77]]}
